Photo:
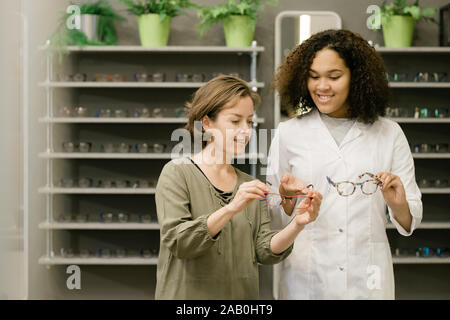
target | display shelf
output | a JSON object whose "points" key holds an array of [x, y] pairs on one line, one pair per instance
{"points": [[435, 190], [414, 120], [419, 85], [164, 49], [431, 155], [130, 84], [58, 260], [121, 120], [420, 50], [102, 155], [55, 190], [426, 225], [98, 226], [420, 260]]}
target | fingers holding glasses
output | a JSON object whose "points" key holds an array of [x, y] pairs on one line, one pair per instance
{"points": [[388, 180]]}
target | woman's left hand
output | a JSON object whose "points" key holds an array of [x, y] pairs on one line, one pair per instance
{"points": [[392, 189], [308, 209]]}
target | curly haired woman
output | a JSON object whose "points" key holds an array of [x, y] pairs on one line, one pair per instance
{"points": [[359, 160]]}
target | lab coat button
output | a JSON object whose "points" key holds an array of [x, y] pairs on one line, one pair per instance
{"points": [[341, 268], [341, 230]]}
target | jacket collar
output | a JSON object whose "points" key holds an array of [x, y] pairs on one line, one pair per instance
{"points": [[315, 122]]}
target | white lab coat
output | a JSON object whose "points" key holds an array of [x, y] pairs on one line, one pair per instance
{"points": [[345, 253]]}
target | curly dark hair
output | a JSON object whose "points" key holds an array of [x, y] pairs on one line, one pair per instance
{"points": [[369, 91]]}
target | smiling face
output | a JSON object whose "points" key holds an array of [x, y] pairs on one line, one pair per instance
{"points": [[232, 127], [329, 83]]}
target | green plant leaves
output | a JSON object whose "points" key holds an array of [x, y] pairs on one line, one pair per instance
{"points": [[210, 15], [400, 7], [171, 8]]}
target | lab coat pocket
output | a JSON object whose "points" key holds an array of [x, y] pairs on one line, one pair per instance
{"points": [[380, 273]]}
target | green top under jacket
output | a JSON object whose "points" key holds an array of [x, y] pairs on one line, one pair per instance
{"points": [[191, 264]]}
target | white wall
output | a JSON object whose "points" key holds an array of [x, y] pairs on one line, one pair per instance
{"points": [[12, 284]]}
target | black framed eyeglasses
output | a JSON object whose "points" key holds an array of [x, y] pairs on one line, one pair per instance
{"points": [[347, 188]]}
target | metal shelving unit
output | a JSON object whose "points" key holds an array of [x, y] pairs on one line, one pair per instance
{"points": [[420, 260], [121, 120], [50, 225], [102, 155], [129, 84], [443, 226], [98, 226], [58, 260]]}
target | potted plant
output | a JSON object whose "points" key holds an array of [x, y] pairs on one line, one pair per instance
{"points": [[398, 20], [154, 17], [97, 21], [239, 19]]}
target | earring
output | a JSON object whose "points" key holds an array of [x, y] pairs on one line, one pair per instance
{"points": [[302, 108]]}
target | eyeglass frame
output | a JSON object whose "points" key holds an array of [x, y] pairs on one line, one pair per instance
{"points": [[355, 184], [286, 197]]}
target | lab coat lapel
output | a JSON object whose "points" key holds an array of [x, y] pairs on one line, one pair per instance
{"points": [[321, 130], [358, 129]]}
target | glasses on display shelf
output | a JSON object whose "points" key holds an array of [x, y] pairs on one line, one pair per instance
{"points": [[397, 77], [69, 146], [396, 112], [82, 218], [142, 113], [430, 77], [142, 183], [108, 183], [159, 147], [77, 77], [102, 77], [187, 77], [158, 112], [158, 77], [142, 77], [347, 188], [276, 199], [65, 218], [80, 111], [108, 217], [430, 113], [432, 183], [104, 253], [427, 252], [111, 147], [84, 253], [67, 252], [430, 148], [142, 147], [67, 183], [120, 113], [85, 182], [148, 253], [121, 253], [146, 218], [182, 112]]}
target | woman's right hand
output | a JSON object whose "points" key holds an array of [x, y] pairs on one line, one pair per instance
{"points": [[247, 192], [292, 186]]}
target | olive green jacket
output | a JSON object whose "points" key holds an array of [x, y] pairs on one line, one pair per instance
{"points": [[191, 264]]}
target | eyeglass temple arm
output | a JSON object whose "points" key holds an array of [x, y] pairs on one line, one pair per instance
{"points": [[331, 181]]}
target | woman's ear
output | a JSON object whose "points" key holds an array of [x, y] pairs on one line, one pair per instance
{"points": [[206, 123]]}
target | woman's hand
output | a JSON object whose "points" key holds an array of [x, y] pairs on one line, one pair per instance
{"points": [[247, 192], [292, 186], [392, 190], [308, 209]]}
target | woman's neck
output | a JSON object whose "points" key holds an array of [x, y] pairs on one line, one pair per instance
{"points": [[213, 160]]}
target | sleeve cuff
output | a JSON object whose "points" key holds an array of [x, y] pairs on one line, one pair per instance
{"points": [[414, 222], [204, 226]]}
